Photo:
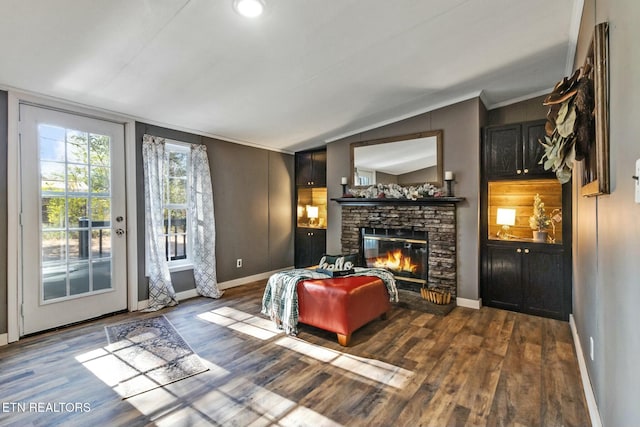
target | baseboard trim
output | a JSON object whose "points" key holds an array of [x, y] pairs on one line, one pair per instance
{"points": [[592, 406], [4, 339], [248, 279], [469, 303], [191, 293]]}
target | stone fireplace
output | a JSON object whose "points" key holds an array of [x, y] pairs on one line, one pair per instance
{"points": [[433, 218]]}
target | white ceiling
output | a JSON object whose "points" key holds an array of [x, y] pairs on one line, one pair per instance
{"points": [[306, 72]]}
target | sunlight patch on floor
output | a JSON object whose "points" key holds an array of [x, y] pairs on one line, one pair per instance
{"points": [[213, 397], [109, 368], [240, 321], [113, 367], [264, 329], [372, 369], [193, 401]]}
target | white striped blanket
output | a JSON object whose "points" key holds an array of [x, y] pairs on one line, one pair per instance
{"points": [[280, 299]]}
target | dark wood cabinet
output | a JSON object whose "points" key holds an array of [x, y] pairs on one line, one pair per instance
{"points": [[311, 168], [311, 198], [524, 277], [310, 246], [502, 275], [513, 151], [503, 151], [532, 133], [517, 273], [543, 279]]}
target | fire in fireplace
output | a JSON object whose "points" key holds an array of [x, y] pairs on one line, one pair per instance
{"points": [[403, 252], [396, 261]]}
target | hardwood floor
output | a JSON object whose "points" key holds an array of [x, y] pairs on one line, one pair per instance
{"points": [[470, 368]]}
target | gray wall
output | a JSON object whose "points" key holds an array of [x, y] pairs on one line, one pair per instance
{"points": [[253, 202], [524, 111], [461, 125], [606, 236], [3, 210]]}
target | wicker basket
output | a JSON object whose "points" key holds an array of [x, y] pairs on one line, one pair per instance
{"points": [[436, 295]]}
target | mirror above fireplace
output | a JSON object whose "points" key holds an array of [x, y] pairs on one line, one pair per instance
{"points": [[404, 160]]}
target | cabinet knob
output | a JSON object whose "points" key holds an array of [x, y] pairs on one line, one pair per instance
{"points": [[526, 251], [526, 171], [519, 250], [519, 171]]}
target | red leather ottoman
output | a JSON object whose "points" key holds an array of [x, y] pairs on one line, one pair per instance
{"points": [[342, 304]]}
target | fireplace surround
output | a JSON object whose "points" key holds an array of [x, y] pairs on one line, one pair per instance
{"points": [[435, 217], [404, 252]]}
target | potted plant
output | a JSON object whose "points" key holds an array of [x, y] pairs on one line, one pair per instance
{"points": [[539, 221]]}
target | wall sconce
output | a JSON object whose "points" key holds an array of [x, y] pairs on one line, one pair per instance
{"points": [[506, 217], [312, 214]]}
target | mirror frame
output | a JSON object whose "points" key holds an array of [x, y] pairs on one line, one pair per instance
{"points": [[439, 166]]}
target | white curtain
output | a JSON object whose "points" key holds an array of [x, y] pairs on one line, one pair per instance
{"points": [[203, 225], [161, 292]]}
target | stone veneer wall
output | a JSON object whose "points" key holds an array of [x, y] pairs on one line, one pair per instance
{"points": [[439, 221]]}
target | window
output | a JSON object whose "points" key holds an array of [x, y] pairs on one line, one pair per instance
{"points": [[176, 204]]}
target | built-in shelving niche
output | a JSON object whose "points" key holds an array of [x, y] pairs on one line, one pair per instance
{"points": [[519, 195], [312, 207]]}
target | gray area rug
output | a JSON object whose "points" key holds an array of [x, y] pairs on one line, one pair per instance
{"points": [[149, 353]]}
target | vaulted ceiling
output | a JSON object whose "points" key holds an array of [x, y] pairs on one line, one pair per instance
{"points": [[305, 73]]}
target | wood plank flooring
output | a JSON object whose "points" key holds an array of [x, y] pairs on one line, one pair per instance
{"points": [[470, 368]]}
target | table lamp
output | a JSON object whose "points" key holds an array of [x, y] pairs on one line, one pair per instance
{"points": [[506, 217], [312, 214]]}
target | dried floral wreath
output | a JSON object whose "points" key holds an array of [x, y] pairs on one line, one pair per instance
{"points": [[570, 123]]}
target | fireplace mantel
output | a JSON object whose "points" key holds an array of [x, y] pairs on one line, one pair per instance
{"points": [[360, 201]]}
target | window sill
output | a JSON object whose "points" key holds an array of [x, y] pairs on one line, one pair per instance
{"points": [[180, 267]]}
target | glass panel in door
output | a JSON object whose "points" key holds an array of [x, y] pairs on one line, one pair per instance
{"points": [[76, 210]]}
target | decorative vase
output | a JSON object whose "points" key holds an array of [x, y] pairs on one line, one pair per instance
{"points": [[540, 236]]}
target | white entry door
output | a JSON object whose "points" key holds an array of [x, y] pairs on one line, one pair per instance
{"points": [[73, 220]]}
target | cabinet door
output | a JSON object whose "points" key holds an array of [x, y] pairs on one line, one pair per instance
{"points": [[319, 169], [503, 151], [311, 168], [310, 246], [532, 132], [543, 278], [304, 168], [502, 286]]}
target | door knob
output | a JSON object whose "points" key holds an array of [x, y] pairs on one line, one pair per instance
{"points": [[526, 251], [518, 250]]}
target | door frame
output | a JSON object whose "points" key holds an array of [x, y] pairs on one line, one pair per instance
{"points": [[14, 274]]}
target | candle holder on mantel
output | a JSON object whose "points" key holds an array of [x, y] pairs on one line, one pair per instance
{"points": [[343, 181], [448, 179]]}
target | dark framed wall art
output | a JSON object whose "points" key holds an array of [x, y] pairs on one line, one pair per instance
{"points": [[595, 166]]}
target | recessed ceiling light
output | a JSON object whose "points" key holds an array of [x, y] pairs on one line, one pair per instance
{"points": [[249, 8]]}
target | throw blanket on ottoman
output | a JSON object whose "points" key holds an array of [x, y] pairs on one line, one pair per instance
{"points": [[280, 299]]}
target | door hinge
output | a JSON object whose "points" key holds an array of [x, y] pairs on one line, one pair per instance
{"points": [[22, 310]]}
